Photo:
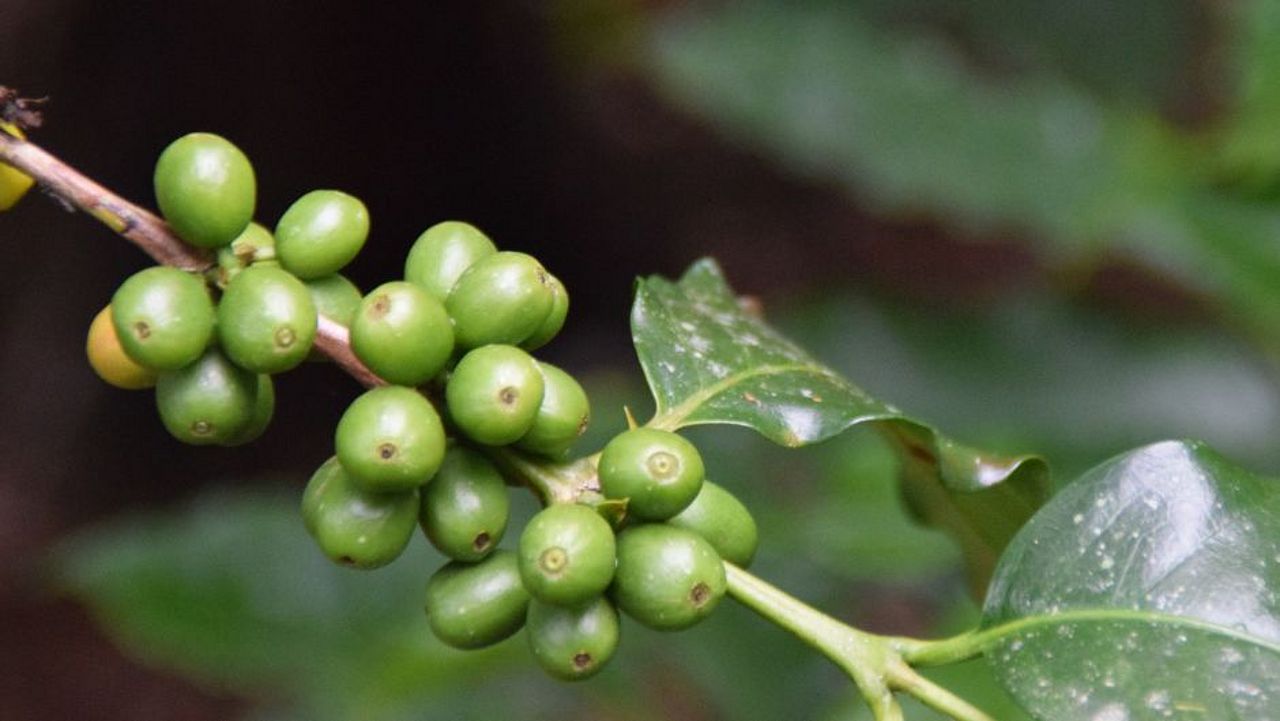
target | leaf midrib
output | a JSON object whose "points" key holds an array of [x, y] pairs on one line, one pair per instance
{"points": [[986, 638], [671, 418]]}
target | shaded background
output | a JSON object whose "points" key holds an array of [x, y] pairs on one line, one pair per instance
{"points": [[1045, 227]]}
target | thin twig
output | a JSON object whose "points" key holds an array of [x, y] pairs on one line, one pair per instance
{"points": [[143, 228], [332, 339], [904, 678], [151, 234]]}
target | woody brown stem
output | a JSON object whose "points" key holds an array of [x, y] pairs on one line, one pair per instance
{"points": [[147, 231]]}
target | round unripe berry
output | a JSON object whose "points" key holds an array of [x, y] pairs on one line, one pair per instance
{"points": [[465, 508], [402, 333], [390, 439], [573, 644], [209, 401], [163, 317], [205, 189], [335, 297], [264, 407], [266, 320], [658, 471], [320, 233], [442, 253], [720, 518], [554, 321], [562, 416], [668, 578], [352, 527], [108, 359], [494, 394], [477, 605], [501, 298], [566, 554]]}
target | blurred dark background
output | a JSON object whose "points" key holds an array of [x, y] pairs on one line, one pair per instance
{"points": [[1043, 226]]}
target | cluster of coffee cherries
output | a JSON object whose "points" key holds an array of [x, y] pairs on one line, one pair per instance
{"points": [[210, 342], [452, 341], [660, 562]]}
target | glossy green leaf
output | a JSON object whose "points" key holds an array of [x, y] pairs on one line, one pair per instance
{"points": [[1148, 589], [708, 360]]}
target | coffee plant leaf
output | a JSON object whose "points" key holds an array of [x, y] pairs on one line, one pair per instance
{"points": [[1147, 589], [710, 358]]}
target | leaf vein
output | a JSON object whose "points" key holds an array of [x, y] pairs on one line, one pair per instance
{"points": [[673, 417]]}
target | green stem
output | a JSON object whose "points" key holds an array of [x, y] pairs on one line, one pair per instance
{"points": [[862, 656], [875, 663], [551, 482], [905, 678], [943, 651], [974, 643]]}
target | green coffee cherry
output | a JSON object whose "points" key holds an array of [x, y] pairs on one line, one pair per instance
{"points": [[442, 253], [720, 518], [573, 644], [209, 401], [562, 416], [658, 471], [163, 317], [668, 578], [402, 333], [266, 320], [335, 297], [355, 528], [465, 507], [255, 244], [264, 407], [566, 554], [477, 605], [554, 321], [390, 439], [494, 394], [320, 233], [501, 298], [205, 189]]}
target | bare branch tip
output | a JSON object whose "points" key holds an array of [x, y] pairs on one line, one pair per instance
{"points": [[22, 112]]}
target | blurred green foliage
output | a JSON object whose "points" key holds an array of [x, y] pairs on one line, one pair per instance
{"points": [[1249, 143], [1074, 383], [1086, 170], [902, 119]]}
